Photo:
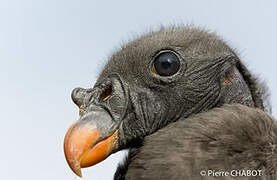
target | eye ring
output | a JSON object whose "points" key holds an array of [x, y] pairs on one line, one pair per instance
{"points": [[166, 63]]}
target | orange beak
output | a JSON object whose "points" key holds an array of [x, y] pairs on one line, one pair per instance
{"points": [[84, 146]]}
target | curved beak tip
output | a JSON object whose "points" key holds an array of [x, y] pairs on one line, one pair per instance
{"points": [[78, 172], [80, 150], [76, 169]]}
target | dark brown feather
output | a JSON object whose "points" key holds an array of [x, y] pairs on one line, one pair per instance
{"points": [[233, 137]]}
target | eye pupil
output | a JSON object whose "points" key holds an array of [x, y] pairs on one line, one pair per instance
{"points": [[166, 64]]}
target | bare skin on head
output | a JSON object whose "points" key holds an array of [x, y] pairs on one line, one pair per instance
{"points": [[161, 78]]}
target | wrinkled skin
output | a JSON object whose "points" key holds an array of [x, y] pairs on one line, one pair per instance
{"points": [[156, 101], [137, 102]]}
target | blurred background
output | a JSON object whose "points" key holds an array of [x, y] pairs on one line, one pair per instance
{"points": [[49, 47]]}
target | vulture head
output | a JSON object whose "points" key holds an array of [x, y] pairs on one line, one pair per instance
{"points": [[157, 79]]}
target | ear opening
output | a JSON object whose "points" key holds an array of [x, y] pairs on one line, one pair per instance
{"points": [[240, 86], [252, 83]]}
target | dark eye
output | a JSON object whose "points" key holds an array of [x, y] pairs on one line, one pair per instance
{"points": [[166, 64]]}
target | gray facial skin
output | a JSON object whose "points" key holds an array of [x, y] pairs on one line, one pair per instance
{"points": [[140, 101]]}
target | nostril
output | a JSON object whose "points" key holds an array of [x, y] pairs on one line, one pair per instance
{"points": [[106, 94], [77, 95]]}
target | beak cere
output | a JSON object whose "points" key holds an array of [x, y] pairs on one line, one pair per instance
{"points": [[85, 145]]}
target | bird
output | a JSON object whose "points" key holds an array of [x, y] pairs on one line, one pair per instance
{"points": [[185, 106]]}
